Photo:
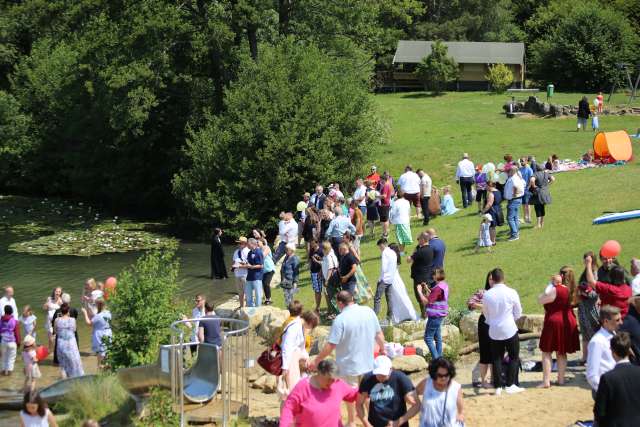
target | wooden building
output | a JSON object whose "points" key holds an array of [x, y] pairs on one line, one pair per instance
{"points": [[473, 59]]}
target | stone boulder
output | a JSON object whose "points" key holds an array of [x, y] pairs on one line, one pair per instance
{"points": [[266, 313], [396, 335], [414, 329], [319, 335], [450, 333], [469, 326], [409, 364], [270, 327], [530, 323], [228, 309]]}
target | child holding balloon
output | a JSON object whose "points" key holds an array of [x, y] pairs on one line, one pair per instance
{"points": [[30, 359]]}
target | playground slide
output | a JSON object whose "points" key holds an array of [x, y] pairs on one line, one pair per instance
{"points": [[51, 394], [201, 382]]}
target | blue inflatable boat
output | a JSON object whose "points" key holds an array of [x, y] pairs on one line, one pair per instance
{"points": [[617, 216]]}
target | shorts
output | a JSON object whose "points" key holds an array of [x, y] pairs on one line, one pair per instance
{"points": [[413, 198], [372, 213], [384, 213], [352, 380], [582, 123], [317, 282], [526, 198], [403, 234], [481, 195]]}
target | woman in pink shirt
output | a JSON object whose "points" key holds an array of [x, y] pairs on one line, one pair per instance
{"points": [[315, 401]]}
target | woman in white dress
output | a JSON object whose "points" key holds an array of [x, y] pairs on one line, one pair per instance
{"points": [[401, 306], [442, 402], [50, 306]]}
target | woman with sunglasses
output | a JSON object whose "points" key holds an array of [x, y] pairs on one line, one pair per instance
{"points": [[442, 404]]}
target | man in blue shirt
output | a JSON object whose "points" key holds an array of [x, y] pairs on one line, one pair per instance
{"points": [[438, 246], [338, 226], [255, 259], [526, 172]]}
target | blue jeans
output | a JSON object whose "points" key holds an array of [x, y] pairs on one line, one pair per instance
{"points": [[249, 288], [434, 330], [363, 209], [280, 251], [513, 216]]}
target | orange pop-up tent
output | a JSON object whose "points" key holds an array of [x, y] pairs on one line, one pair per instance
{"points": [[613, 145]]}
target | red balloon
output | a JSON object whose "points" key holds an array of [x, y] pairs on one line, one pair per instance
{"points": [[610, 249], [42, 352], [109, 286]]}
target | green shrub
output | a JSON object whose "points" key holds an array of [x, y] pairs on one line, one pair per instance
{"points": [[437, 70], [143, 307], [159, 410], [499, 77], [96, 400], [454, 316]]}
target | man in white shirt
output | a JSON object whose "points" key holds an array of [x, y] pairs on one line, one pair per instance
{"points": [[599, 359], [8, 299], [240, 267], [409, 182], [388, 268], [464, 176], [401, 217], [501, 308], [288, 232], [513, 192], [359, 196], [336, 189], [425, 195]]}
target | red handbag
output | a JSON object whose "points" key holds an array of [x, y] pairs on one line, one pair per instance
{"points": [[271, 360]]}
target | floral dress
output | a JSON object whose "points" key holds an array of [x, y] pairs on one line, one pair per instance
{"points": [[68, 353]]}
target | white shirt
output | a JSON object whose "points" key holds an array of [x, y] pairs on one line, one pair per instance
{"points": [[4, 301], [400, 212], [389, 266], [409, 182], [239, 257], [196, 313], [501, 307], [425, 185], [635, 284], [292, 339], [288, 231], [360, 193], [514, 183], [329, 261], [600, 359], [465, 169]]}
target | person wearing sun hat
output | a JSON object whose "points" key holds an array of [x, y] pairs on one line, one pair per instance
{"points": [[389, 392], [239, 267]]}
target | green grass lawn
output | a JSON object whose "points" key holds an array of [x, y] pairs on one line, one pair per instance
{"points": [[432, 132]]}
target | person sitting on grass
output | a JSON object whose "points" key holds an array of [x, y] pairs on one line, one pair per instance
{"points": [[448, 207]]}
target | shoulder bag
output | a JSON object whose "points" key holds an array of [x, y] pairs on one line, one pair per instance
{"points": [[271, 359]]}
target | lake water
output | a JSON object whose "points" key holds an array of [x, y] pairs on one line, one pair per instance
{"points": [[34, 276]]}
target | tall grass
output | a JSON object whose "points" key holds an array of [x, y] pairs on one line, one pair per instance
{"points": [[102, 399]]}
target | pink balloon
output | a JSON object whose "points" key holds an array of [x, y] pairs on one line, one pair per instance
{"points": [[610, 249]]}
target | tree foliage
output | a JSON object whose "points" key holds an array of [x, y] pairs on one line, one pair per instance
{"points": [[499, 77], [143, 307], [579, 45], [17, 140], [437, 69], [293, 118]]}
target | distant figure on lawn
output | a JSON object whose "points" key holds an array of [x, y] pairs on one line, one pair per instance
{"points": [[465, 177], [583, 113], [218, 268]]}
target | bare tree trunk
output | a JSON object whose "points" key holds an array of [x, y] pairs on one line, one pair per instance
{"points": [[284, 14], [253, 40]]}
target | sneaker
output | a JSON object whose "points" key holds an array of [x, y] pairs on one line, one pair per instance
{"points": [[498, 392], [513, 239], [513, 389]]}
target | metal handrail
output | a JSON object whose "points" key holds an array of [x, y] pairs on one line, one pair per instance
{"points": [[177, 377]]}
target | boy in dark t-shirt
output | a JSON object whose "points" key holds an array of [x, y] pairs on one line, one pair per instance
{"points": [[389, 391]]}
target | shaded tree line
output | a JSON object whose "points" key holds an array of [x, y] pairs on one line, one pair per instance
{"points": [[225, 111]]}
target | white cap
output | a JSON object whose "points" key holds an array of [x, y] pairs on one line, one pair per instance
{"points": [[488, 217], [382, 366]]}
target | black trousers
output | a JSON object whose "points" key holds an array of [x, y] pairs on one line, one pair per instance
{"points": [[424, 204], [465, 186], [266, 284], [512, 347]]}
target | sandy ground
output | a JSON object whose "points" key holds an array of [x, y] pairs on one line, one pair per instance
{"points": [[558, 406]]}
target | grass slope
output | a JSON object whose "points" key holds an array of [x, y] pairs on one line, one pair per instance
{"points": [[432, 132]]}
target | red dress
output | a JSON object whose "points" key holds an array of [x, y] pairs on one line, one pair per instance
{"points": [[560, 329]]}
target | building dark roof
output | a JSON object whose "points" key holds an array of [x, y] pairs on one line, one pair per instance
{"points": [[413, 51]]}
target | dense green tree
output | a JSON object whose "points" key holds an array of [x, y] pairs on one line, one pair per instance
{"points": [[579, 45], [437, 69], [293, 118], [143, 308], [17, 140]]}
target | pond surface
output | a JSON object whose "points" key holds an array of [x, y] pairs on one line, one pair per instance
{"points": [[34, 276]]}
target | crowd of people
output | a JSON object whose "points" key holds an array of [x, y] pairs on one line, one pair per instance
{"points": [[61, 328]]}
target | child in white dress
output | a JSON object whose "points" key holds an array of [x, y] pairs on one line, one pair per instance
{"points": [[28, 321], [484, 239]]}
